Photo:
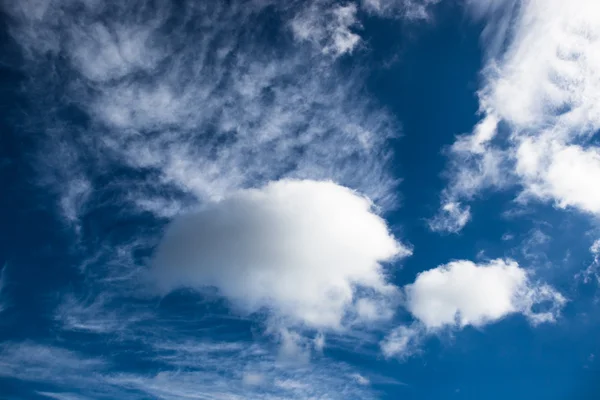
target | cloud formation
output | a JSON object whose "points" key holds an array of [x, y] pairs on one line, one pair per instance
{"points": [[593, 270], [452, 217], [406, 9], [194, 101], [182, 370], [539, 105], [156, 110], [331, 32], [463, 293], [309, 251]]}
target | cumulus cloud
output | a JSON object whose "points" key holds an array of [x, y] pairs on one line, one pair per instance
{"points": [[541, 85], [300, 248], [463, 293]]}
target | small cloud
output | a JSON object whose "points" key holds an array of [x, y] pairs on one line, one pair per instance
{"points": [[293, 348], [595, 249], [327, 27], [290, 384], [507, 237], [319, 342], [61, 396], [74, 198], [451, 218], [403, 341], [412, 10], [534, 246], [360, 379], [462, 293], [593, 270]]}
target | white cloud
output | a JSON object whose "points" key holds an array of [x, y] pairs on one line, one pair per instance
{"points": [[184, 370], [100, 315], [507, 237], [299, 248], [372, 310], [452, 217], [595, 248], [361, 379], [293, 348], [406, 9], [319, 342], [200, 112], [329, 28], [166, 109], [61, 396], [462, 293], [547, 73], [563, 173], [291, 385], [542, 82], [75, 195], [534, 246], [403, 342], [29, 361]]}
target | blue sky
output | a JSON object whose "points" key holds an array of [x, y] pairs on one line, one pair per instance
{"points": [[373, 199]]}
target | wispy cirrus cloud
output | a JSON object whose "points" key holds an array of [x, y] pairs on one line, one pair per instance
{"points": [[406, 9], [593, 270], [182, 370], [199, 100]]}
